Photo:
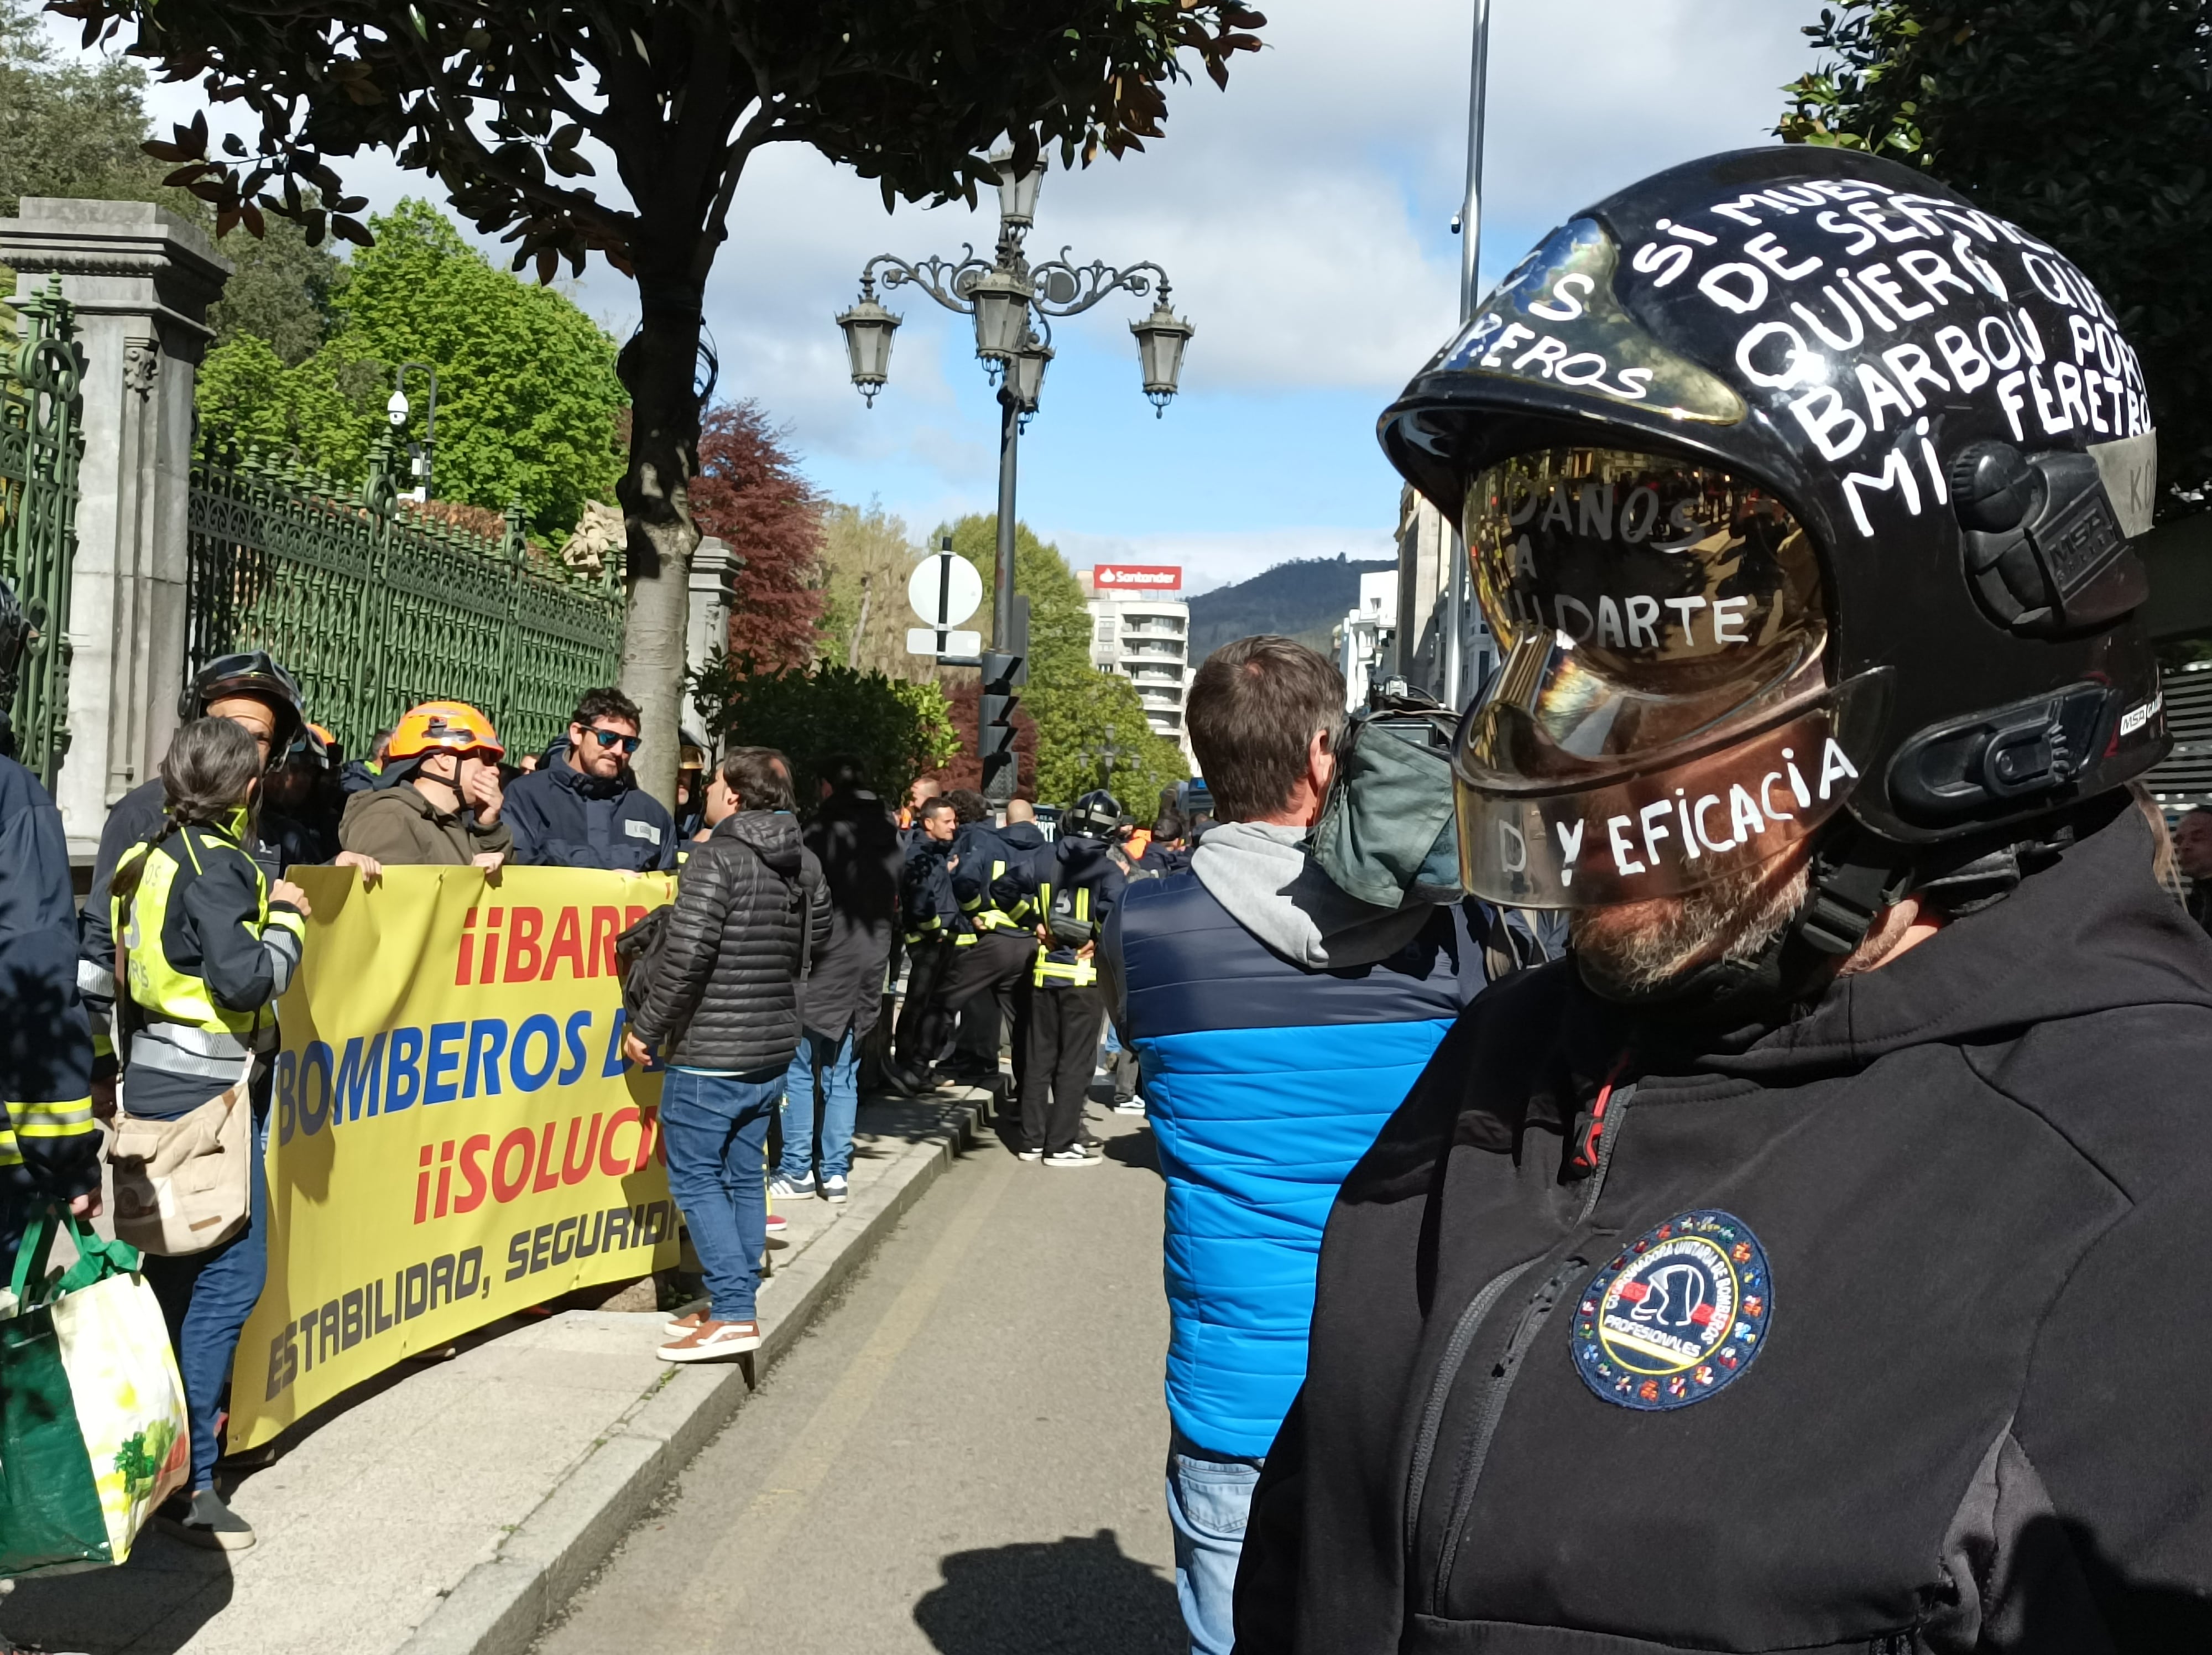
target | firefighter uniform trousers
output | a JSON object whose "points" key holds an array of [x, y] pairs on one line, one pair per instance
{"points": [[1065, 1022]]}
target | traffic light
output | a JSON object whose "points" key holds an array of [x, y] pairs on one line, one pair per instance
{"points": [[994, 721]]}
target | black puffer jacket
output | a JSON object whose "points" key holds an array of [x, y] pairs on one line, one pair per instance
{"points": [[726, 995], [1874, 1331]]}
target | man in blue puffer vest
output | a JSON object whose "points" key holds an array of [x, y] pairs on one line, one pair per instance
{"points": [[1278, 1023]]}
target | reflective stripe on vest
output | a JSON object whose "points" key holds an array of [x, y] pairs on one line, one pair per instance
{"points": [[1077, 973], [69, 1119], [165, 994]]}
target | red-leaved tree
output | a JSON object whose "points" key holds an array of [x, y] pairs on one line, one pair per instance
{"points": [[749, 492]]}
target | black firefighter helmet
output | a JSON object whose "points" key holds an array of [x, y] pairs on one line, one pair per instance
{"points": [[1797, 491], [253, 672], [1097, 814]]}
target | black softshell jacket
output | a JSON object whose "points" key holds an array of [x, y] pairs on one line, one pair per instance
{"points": [[1979, 1416]]}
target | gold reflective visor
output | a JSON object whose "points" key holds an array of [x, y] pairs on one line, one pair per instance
{"points": [[1662, 715]]}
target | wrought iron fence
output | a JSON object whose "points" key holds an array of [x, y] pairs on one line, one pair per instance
{"points": [[374, 608], [41, 444]]}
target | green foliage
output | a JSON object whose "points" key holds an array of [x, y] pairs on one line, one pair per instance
{"points": [[489, 97], [896, 730], [528, 401], [1077, 708], [71, 130], [280, 292], [2088, 124], [866, 557]]}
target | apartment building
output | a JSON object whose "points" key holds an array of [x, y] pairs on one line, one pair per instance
{"points": [[1140, 628]]}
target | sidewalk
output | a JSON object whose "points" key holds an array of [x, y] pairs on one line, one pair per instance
{"points": [[447, 1509]]}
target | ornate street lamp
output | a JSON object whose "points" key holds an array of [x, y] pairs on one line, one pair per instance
{"points": [[1017, 192], [1026, 377], [1003, 295], [868, 329], [1000, 300], [1160, 340]]}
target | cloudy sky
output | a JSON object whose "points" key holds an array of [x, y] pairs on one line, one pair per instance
{"points": [[1304, 218]]}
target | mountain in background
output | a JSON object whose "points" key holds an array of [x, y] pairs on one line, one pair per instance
{"points": [[1302, 601]]}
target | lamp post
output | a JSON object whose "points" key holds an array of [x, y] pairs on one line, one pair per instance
{"points": [[396, 409], [1106, 755], [1468, 224], [1012, 303]]}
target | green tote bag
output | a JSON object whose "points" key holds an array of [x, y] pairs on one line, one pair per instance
{"points": [[93, 1429]]}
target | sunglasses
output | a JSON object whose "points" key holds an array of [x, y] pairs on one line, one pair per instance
{"points": [[628, 743]]}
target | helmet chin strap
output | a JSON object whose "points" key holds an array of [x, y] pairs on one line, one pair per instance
{"points": [[1855, 879]]}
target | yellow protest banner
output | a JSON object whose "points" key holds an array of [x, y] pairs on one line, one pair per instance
{"points": [[454, 1134]]}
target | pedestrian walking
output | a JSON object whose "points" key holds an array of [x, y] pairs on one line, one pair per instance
{"points": [[854, 839], [208, 942], [1800, 1264], [1277, 1022], [1070, 886], [721, 1011], [438, 801], [581, 807]]}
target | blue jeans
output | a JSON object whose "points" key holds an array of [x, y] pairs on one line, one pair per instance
{"points": [[205, 1298], [838, 1062], [1208, 1500], [715, 1128]]}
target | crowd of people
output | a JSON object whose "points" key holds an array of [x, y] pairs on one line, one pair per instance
{"points": [[755, 1000], [1802, 1262]]}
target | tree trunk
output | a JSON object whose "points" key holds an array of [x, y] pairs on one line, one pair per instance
{"points": [[657, 368]]}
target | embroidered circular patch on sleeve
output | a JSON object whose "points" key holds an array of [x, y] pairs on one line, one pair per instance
{"points": [[1675, 1316]]}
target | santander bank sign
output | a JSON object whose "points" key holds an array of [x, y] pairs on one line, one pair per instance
{"points": [[1137, 577]]}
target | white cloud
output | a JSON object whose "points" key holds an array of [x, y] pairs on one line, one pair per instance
{"points": [[1302, 214]]}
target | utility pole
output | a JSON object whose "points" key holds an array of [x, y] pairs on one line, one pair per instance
{"points": [[1469, 225]]}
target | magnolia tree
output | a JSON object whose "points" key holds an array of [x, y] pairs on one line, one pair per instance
{"points": [[505, 103]]}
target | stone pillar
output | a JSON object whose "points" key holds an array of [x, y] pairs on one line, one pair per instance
{"points": [[713, 588], [142, 280]]}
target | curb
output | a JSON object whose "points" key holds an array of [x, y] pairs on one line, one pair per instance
{"points": [[502, 1605]]}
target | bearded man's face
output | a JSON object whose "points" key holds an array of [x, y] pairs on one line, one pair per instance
{"points": [[1634, 949]]}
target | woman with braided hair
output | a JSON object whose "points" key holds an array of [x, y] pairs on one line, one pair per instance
{"points": [[209, 943]]}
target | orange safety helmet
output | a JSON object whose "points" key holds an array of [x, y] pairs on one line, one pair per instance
{"points": [[442, 725]]}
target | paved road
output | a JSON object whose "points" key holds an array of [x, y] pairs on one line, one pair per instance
{"points": [[964, 1456]]}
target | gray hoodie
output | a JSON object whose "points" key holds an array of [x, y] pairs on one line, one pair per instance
{"points": [[1265, 875]]}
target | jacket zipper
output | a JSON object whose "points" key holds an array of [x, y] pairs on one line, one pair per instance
{"points": [[1613, 1105], [1440, 1388], [1533, 1316]]}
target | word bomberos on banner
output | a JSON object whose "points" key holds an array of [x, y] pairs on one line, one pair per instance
{"points": [[455, 1133]]}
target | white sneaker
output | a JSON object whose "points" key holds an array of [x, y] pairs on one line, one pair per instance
{"points": [[711, 1341], [833, 1187], [1129, 1105], [1030, 1154], [783, 1188], [1073, 1156]]}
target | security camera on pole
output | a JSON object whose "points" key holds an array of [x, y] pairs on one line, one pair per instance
{"points": [[1003, 295]]}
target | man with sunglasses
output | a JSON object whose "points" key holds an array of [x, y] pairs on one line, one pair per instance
{"points": [[581, 807]]}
